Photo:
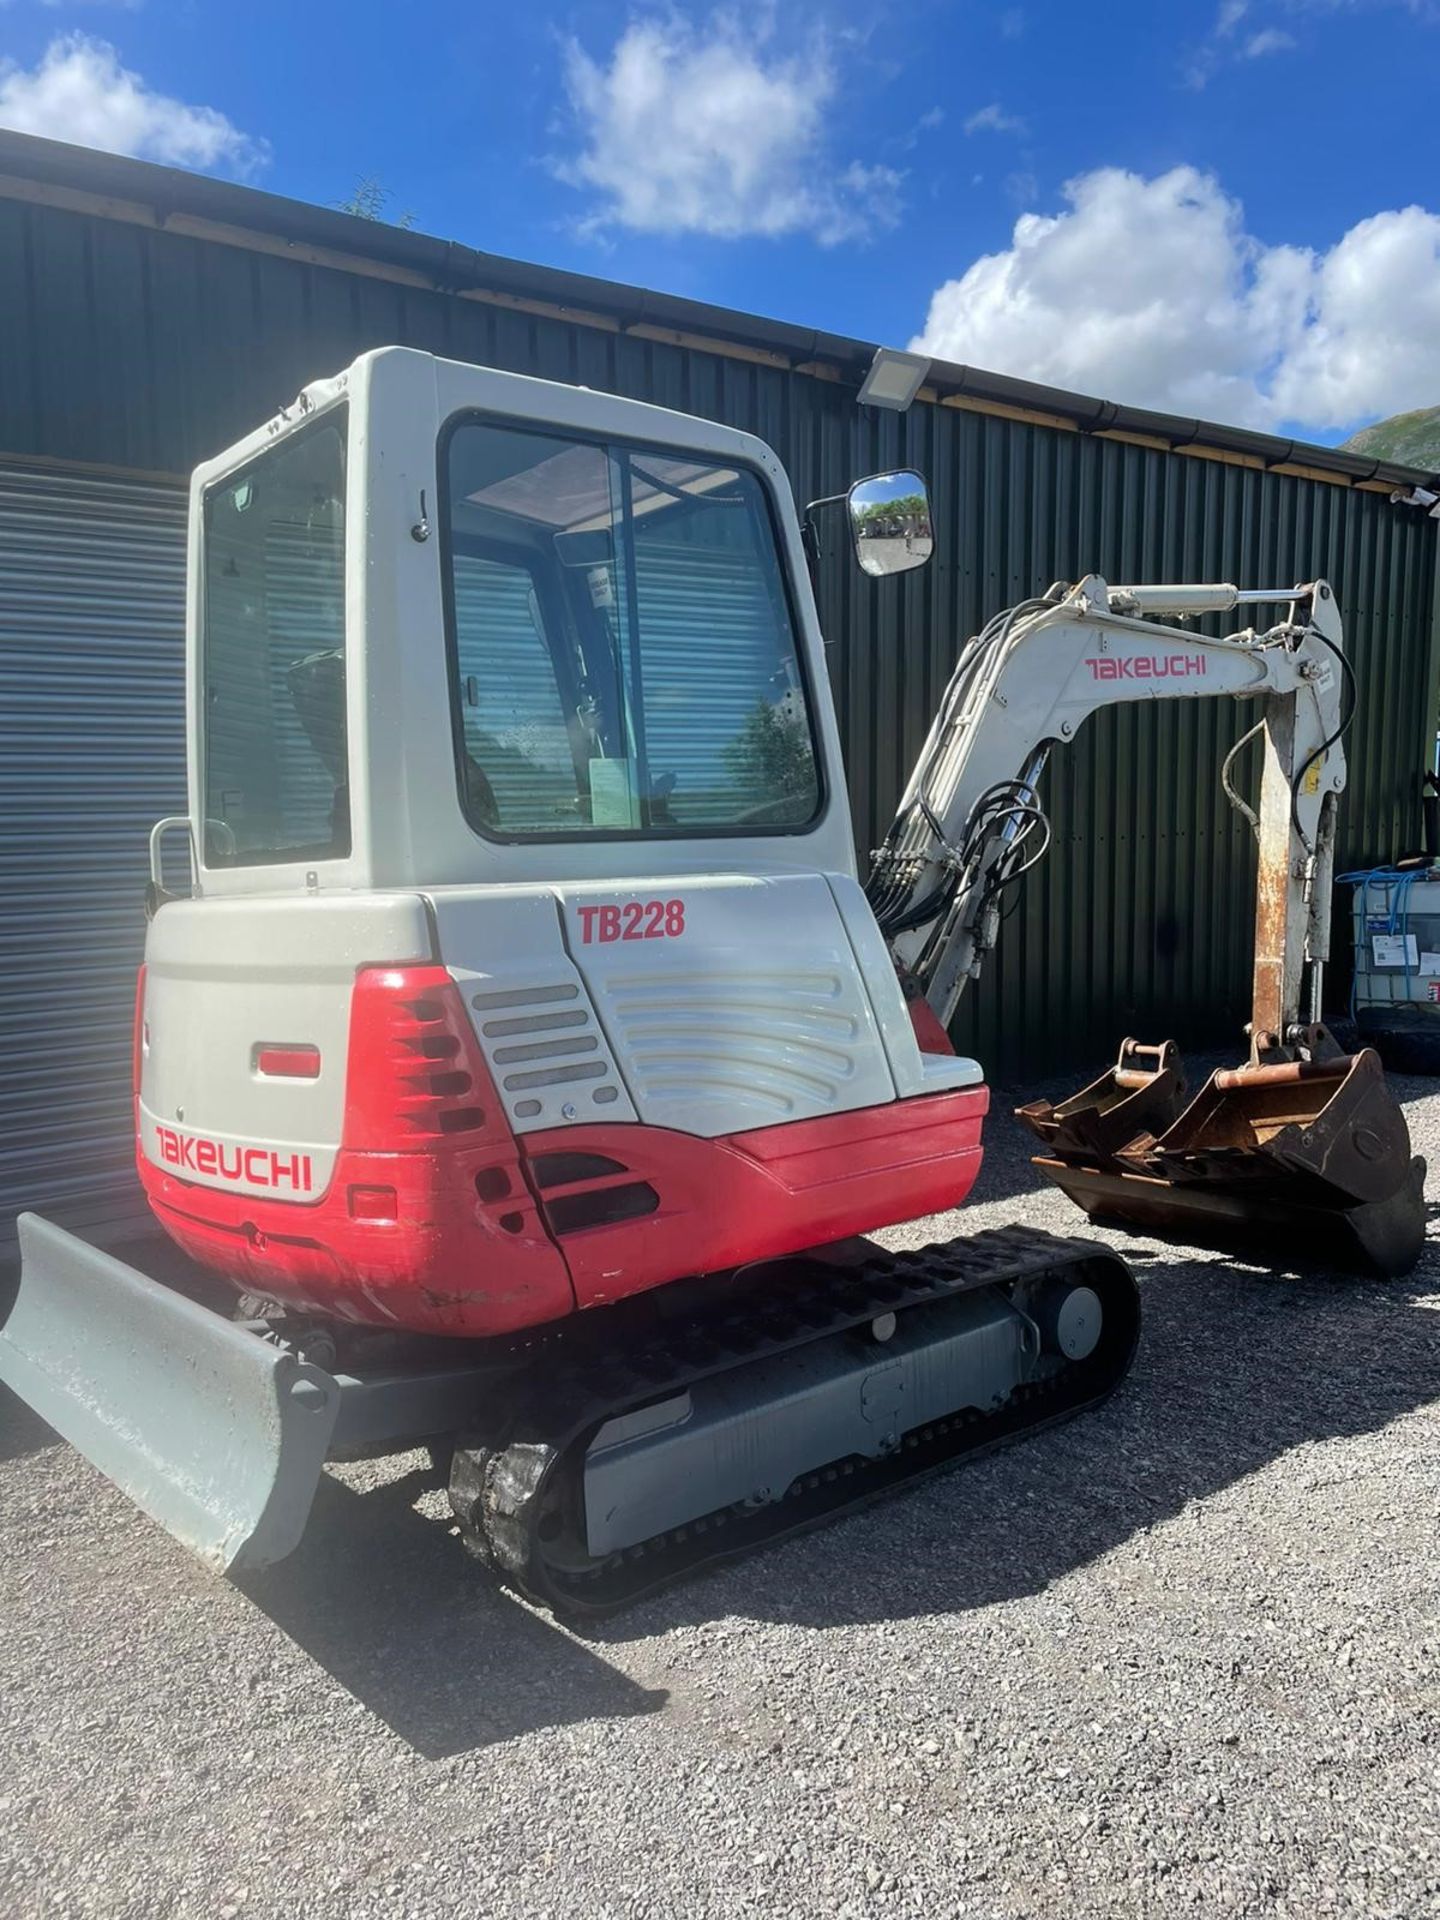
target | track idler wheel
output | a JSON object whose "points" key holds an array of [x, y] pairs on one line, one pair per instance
{"points": [[1070, 1320]]}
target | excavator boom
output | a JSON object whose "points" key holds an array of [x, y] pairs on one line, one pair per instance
{"points": [[971, 814]]}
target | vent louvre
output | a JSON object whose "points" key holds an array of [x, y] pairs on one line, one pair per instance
{"points": [[564, 1169], [557, 1076], [535, 1023], [550, 1059], [548, 1049], [602, 1207], [524, 996]]}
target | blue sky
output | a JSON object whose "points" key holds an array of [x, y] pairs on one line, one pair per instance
{"points": [[1222, 208]]}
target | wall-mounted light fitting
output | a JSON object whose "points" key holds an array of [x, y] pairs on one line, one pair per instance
{"points": [[894, 379]]}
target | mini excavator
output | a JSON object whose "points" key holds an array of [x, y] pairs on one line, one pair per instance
{"points": [[523, 1063]]}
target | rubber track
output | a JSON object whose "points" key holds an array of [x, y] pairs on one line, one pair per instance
{"points": [[505, 1489]]}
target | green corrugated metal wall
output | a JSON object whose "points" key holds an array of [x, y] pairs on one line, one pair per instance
{"points": [[144, 349]]}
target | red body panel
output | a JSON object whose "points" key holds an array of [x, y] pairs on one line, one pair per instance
{"points": [[439, 1220], [751, 1196]]}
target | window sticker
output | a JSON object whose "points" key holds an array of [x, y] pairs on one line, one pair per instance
{"points": [[612, 794]]}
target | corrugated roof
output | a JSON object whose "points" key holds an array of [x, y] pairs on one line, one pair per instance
{"points": [[167, 198]]}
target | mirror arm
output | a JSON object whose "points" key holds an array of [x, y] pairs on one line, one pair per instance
{"points": [[810, 533], [810, 540]]}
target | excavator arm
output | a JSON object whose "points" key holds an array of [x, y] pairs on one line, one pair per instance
{"points": [[1303, 1142], [971, 819]]}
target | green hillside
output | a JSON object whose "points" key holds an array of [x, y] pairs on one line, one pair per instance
{"points": [[1412, 439]]}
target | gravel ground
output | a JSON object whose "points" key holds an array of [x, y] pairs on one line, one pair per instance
{"points": [[1177, 1657]]}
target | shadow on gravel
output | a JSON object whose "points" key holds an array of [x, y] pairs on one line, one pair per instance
{"points": [[21, 1431], [392, 1607], [1235, 1368]]}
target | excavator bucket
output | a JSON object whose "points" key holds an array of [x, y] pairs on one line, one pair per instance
{"points": [[1141, 1094], [1309, 1155]]}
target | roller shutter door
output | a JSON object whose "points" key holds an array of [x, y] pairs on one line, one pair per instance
{"points": [[92, 753], [708, 650]]}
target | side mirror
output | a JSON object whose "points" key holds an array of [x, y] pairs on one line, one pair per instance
{"points": [[890, 522]]}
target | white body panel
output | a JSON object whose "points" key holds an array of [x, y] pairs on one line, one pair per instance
{"points": [[760, 1011], [548, 1055], [224, 978], [753, 1015], [913, 1071]]}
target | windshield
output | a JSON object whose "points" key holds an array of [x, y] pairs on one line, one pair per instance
{"points": [[624, 658]]}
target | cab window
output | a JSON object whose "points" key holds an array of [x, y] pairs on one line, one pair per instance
{"points": [[624, 656]]}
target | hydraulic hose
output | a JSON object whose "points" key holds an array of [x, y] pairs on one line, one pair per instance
{"points": [[1341, 728]]}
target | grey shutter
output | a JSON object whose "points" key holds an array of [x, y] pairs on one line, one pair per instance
{"points": [[516, 730], [710, 644], [92, 753]]}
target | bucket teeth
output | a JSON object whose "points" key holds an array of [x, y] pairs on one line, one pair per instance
{"points": [[1312, 1155], [1383, 1237]]}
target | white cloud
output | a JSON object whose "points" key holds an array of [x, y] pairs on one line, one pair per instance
{"points": [[1371, 342], [1268, 40], [1152, 292], [711, 130], [79, 92], [1224, 44], [994, 119], [1203, 62]]}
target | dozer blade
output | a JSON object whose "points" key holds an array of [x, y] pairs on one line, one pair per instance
{"points": [[213, 1431], [1312, 1157], [1141, 1094]]}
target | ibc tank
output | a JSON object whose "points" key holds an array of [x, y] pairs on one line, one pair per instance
{"points": [[1396, 1001]]}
